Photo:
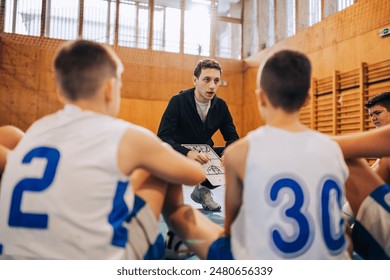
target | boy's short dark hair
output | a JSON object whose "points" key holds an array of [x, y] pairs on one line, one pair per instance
{"points": [[81, 67], [381, 99], [286, 79], [206, 64]]}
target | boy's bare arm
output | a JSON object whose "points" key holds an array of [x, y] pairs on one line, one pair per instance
{"points": [[373, 143], [3, 158], [383, 169], [234, 162], [10, 136], [140, 148]]}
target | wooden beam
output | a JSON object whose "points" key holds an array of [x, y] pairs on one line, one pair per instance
{"points": [[182, 14], [43, 18], [2, 15], [108, 19], [151, 16], [335, 96], [116, 38], [81, 18], [213, 27], [15, 10], [363, 95], [313, 124], [229, 19]]}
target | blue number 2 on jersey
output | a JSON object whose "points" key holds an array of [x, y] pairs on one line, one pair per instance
{"points": [[31, 220]]}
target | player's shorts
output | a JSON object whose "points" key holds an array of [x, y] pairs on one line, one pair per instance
{"points": [[220, 249], [145, 238], [371, 230]]}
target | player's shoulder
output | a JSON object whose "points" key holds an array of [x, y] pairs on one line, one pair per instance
{"points": [[322, 137], [136, 133], [239, 147]]}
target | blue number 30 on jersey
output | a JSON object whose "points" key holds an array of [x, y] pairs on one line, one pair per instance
{"points": [[296, 216]]}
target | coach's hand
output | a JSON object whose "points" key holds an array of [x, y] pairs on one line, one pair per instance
{"points": [[199, 157]]}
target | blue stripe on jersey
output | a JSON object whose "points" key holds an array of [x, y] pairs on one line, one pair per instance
{"points": [[1, 249], [379, 196], [220, 249], [119, 213], [157, 250], [138, 204], [365, 245]]}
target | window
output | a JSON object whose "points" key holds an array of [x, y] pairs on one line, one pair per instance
{"points": [[187, 26], [315, 12], [99, 20], [342, 4], [197, 27], [228, 29], [290, 17], [228, 40], [271, 21], [166, 25], [62, 19], [133, 24], [23, 17]]}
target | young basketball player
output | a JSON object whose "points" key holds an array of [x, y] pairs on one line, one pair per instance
{"points": [[284, 182], [379, 111], [66, 192], [367, 193]]}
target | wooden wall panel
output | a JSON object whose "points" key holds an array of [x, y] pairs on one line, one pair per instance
{"points": [[150, 79], [342, 43], [142, 112], [348, 103], [251, 115]]}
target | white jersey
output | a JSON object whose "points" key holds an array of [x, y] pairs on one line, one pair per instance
{"points": [[293, 192], [62, 194], [371, 230]]}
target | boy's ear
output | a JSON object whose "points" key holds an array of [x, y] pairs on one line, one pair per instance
{"points": [[262, 98], [60, 97], [108, 92]]}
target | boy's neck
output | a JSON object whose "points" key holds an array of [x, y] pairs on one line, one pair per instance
{"points": [[287, 121], [87, 105]]}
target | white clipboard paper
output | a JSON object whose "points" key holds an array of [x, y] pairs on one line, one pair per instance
{"points": [[215, 173]]}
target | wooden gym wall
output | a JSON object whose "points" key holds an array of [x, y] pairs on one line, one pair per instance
{"points": [[351, 63], [150, 79]]}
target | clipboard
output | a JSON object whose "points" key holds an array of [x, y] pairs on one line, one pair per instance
{"points": [[215, 173]]}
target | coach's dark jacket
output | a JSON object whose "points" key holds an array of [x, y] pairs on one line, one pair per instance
{"points": [[181, 123]]}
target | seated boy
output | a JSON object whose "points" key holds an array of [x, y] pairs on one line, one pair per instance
{"points": [[367, 193], [66, 191]]}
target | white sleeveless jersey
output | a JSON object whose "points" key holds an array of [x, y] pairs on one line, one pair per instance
{"points": [[293, 192], [62, 194]]}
